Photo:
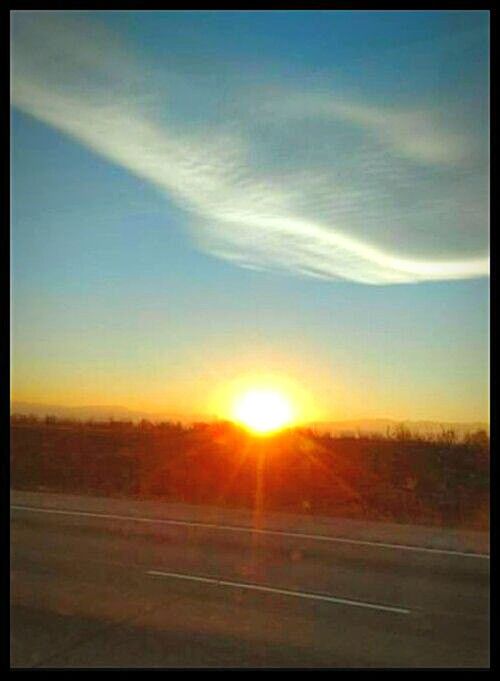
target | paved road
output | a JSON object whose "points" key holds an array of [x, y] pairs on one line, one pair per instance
{"points": [[93, 588]]}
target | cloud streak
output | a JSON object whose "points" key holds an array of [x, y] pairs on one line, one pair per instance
{"points": [[418, 135], [304, 182]]}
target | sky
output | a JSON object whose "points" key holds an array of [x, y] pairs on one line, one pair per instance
{"points": [[204, 198]]}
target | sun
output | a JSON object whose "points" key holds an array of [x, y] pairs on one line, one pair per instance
{"points": [[263, 410]]}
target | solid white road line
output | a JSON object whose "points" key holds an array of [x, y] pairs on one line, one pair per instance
{"points": [[285, 592], [236, 528]]}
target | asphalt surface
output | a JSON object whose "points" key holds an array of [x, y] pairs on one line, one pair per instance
{"points": [[93, 587]]}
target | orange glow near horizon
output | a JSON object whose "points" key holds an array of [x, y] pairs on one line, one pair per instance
{"points": [[263, 403], [263, 411]]}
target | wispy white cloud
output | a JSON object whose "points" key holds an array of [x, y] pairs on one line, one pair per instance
{"points": [[419, 135], [310, 183]]}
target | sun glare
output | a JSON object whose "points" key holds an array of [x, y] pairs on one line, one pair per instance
{"points": [[263, 410]]}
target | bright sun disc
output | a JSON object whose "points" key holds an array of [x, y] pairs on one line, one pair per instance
{"points": [[263, 411]]}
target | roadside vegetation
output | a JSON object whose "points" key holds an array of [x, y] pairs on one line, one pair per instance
{"points": [[400, 477]]}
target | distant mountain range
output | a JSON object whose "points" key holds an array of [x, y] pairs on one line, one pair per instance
{"points": [[383, 426], [378, 426], [100, 412]]}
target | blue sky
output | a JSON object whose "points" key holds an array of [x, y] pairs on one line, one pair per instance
{"points": [[201, 195]]}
